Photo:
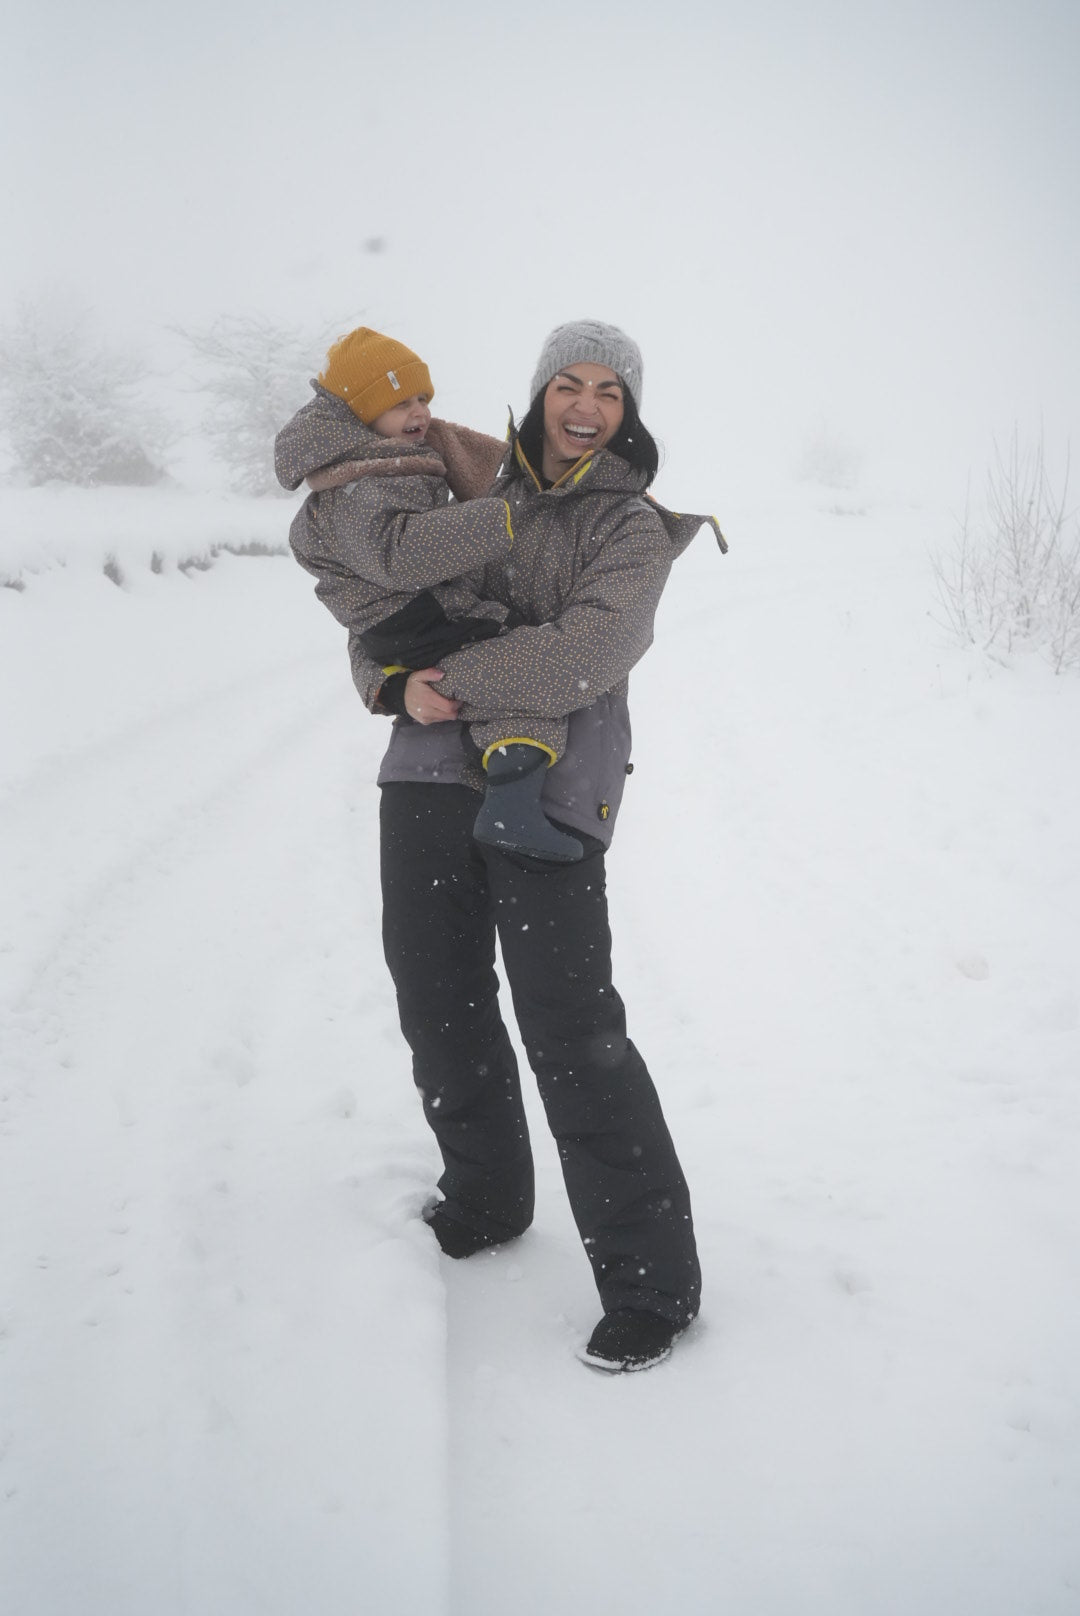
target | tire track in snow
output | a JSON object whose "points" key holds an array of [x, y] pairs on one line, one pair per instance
{"points": [[199, 1256], [81, 824], [51, 773]]}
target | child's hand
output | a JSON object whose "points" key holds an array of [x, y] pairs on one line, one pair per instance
{"points": [[425, 704]]}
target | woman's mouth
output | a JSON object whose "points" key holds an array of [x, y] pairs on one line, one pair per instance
{"points": [[581, 434]]}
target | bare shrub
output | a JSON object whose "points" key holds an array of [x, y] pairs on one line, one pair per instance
{"points": [[1011, 580], [255, 375]]}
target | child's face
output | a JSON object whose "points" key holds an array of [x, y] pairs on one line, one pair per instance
{"points": [[409, 419]]}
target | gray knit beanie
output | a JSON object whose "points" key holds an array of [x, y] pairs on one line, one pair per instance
{"points": [[593, 343]]}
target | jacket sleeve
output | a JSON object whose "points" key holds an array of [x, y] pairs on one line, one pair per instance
{"points": [[604, 628], [368, 676], [359, 550]]}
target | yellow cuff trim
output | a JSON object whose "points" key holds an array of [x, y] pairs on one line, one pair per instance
{"points": [[396, 667], [520, 740]]}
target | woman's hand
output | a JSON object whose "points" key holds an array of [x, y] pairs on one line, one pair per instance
{"points": [[424, 703]]}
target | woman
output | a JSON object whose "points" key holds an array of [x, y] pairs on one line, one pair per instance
{"points": [[589, 561]]}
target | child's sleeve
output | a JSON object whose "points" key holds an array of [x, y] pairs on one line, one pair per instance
{"points": [[368, 676], [362, 546]]}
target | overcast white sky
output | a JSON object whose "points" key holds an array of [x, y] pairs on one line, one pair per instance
{"points": [[862, 213]]}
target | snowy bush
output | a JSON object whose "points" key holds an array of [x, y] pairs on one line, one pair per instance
{"points": [[1012, 578], [72, 405], [829, 461], [255, 375]]}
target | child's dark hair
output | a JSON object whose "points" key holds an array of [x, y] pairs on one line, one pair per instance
{"points": [[633, 441]]}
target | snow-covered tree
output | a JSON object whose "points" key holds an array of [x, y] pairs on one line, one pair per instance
{"points": [[255, 375], [72, 404]]}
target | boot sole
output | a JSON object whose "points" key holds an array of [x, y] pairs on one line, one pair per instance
{"points": [[546, 853], [621, 1366]]}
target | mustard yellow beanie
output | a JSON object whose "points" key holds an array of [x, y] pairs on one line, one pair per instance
{"points": [[372, 373]]}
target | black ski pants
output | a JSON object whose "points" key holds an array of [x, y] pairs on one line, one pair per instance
{"points": [[444, 899]]}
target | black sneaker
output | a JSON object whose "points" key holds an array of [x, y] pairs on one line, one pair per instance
{"points": [[629, 1339]]}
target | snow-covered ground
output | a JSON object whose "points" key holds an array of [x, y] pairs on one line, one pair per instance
{"points": [[239, 1380]]}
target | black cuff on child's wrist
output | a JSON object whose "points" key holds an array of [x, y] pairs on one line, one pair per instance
{"points": [[392, 695]]}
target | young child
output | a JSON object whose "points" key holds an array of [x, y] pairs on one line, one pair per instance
{"points": [[392, 554]]}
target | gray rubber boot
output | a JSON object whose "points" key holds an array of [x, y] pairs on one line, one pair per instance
{"points": [[511, 816]]}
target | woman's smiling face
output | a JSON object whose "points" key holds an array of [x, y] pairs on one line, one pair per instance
{"points": [[583, 410]]}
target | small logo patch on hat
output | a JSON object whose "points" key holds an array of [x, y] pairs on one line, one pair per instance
{"points": [[394, 383]]}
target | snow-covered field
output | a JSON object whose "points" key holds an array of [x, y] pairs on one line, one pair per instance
{"points": [[237, 1377]]}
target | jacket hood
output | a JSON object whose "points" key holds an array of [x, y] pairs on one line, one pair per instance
{"points": [[603, 472], [325, 432]]}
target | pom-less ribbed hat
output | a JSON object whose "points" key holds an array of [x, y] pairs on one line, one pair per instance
{"points": [[593, 343], [372, 373]]}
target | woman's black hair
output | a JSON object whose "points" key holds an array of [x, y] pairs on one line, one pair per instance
{"points": [[633, 441], [531, 432]]}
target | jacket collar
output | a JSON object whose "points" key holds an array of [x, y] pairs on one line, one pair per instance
{"points": [[608, 473], [611, 474]]}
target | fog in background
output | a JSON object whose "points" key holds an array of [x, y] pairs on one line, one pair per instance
{"points": [[852, 217]]}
